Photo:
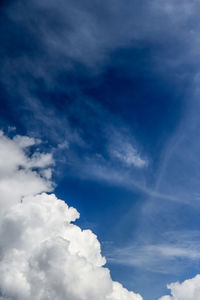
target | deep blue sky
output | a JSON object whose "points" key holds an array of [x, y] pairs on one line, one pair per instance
{"points": [[112, 89]]}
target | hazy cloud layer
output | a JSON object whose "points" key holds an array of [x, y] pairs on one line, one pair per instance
{"points": [[62, 36]]}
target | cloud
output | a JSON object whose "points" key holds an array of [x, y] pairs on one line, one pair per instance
{"points": [[187, 290], [129, 156], [70, 33], [43, 254], [172, 253], [17, 175], [48, 56], [121, 147]]}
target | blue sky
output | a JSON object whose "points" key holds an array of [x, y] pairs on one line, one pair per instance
{"points": [[112, 90]]}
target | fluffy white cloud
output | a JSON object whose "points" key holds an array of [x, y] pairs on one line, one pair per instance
{"points": [[188, 290], [17, 175], [43, 255]]}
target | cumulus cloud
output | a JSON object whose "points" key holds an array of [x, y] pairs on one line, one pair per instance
{"points": [[187, 290], [18, 175], [43, 254]]}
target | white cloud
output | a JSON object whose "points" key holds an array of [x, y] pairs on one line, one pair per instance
{"points": [[187, 290], [164, 257], [123, 149], [129, 156], [17, 179], [43, 255]]}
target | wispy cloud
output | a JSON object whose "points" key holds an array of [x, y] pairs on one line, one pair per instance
{"points": [[122, 147], [165, 257]]}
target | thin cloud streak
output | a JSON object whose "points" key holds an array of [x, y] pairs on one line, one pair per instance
{"points": [[177, 252]]}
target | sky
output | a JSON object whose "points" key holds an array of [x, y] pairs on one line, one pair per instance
{"points": [[99, 105]]}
